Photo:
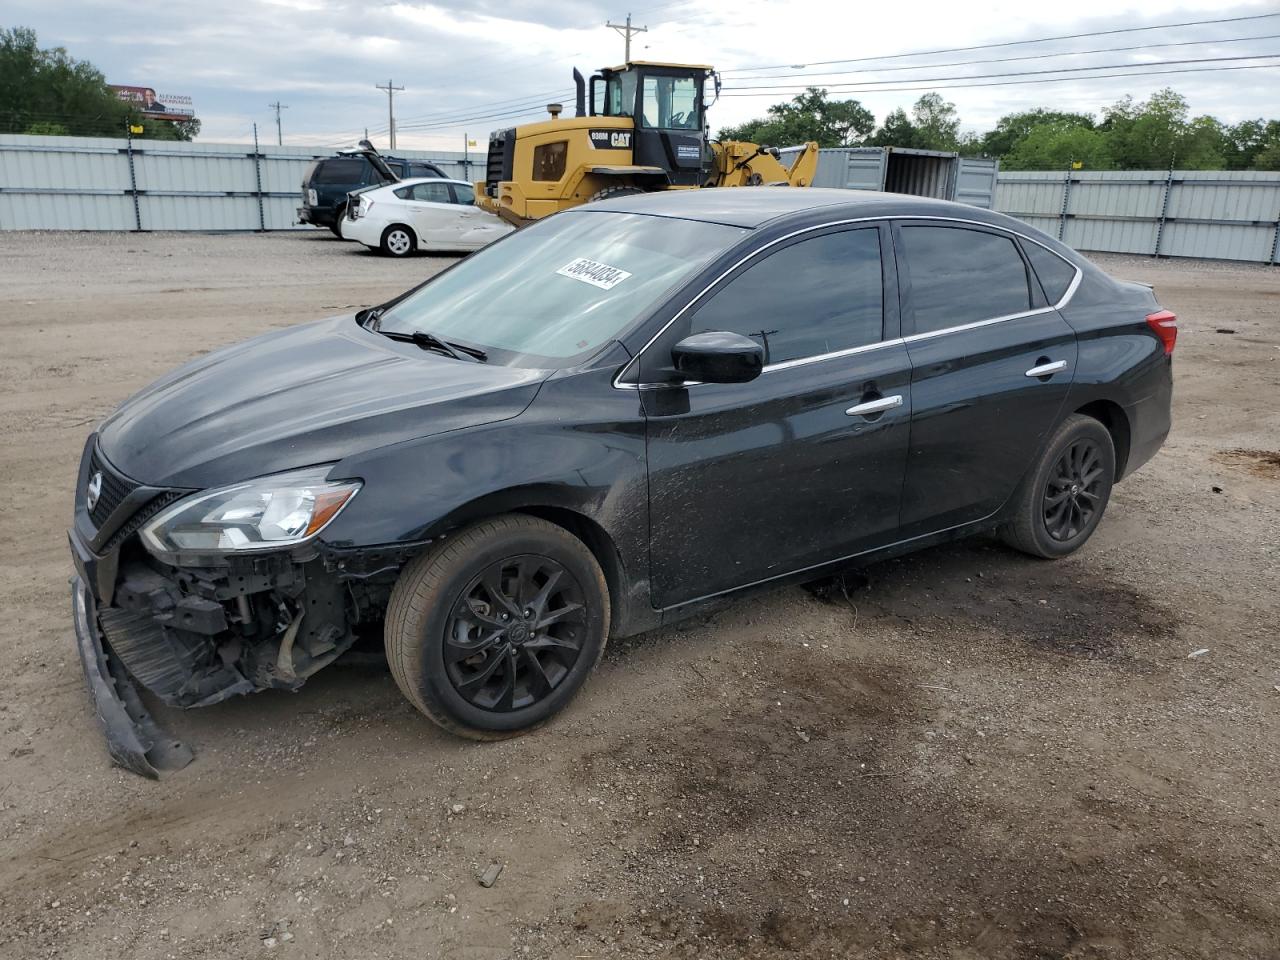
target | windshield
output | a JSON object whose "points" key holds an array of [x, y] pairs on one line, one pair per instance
{"points": [[670, 103], [560, 288]]}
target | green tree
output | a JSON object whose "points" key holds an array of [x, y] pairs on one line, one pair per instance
{"points": [[46, 129], [809, 116], [1013, 127], [1158, 133], [936, 123], [50, 92], [1268, 158], [1244, 142], [896, 131], [1052, 146]]}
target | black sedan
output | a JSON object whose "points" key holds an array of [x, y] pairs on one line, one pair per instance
{"points": [[594, 427]]}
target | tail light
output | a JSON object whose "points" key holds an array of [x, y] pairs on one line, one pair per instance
{"points": [[1165, 325]]}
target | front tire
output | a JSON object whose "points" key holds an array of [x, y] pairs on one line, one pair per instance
{"points": [[398, 241], [496, 630], [1062, 500]]}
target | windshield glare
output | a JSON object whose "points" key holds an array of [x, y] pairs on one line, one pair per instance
{"points": [[561, 288]]}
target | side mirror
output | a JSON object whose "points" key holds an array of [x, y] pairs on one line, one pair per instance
{"points": [[718, 357]]}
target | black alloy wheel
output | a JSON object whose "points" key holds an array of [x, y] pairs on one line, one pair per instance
{"points": [[1074, 490], [515, 633], [1061, 499], [496, 628]]}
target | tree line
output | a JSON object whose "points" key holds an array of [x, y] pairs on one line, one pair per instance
{"points": [[1153, 134], [50, 93]]}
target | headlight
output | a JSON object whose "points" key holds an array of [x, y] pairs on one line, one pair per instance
{"points": [[283, 510]]}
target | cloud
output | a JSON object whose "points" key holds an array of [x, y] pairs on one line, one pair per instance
{"points": [[473, 66]]}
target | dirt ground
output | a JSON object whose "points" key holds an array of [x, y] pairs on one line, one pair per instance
{"points": [[972, 755]]}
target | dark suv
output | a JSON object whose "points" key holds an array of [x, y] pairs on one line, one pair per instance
{"points": [[327, 182], [598, 425]]}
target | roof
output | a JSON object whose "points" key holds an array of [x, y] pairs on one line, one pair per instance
{"points": [[401, 183], [754, 206], [660, 63]]}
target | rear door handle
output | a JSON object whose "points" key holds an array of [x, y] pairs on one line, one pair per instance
{"points": [[1047, 369], [879, 405]]}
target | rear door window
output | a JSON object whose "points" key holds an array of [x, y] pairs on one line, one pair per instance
{"points": [[340, 171], [959, 276], [430, 193], [817, 296], [1055, 273], [463, 194], [423, 170]]}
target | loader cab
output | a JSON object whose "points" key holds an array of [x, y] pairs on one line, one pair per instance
{"points": [[665, 101]]}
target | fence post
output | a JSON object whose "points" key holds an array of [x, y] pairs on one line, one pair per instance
{"points": [[1164, 210], [133, 178], [1066, 196], [257, 172]]}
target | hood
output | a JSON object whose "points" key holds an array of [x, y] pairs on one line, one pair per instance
{"points": [[304, 395]]}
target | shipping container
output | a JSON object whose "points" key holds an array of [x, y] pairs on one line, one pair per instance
{"points": [[922, 173]]}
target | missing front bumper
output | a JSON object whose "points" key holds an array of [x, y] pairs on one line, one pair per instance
{"points": [[134, 740]]}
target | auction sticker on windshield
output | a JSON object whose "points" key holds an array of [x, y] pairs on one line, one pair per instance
{"points": [[593, 272]]}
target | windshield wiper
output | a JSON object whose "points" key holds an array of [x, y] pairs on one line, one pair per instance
{"points": [[429, 341]]}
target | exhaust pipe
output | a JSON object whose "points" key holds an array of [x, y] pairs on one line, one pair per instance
{"points": [[581, 86]]}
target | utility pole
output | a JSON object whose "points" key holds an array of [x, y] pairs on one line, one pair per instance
{"points": [[392, 90], [277, 107], [625, 30]]}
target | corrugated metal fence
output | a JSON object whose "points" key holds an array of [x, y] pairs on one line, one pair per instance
{"points": [[1216, 214], [91, 183], [83, 183]]}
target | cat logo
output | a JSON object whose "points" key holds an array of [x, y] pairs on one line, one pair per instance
{"points": [[610, 139]]}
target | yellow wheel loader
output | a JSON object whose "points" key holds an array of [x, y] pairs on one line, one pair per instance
{"points": [[645, 130]]}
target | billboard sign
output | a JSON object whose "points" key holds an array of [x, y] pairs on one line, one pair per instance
{"points": [[165, 106]]}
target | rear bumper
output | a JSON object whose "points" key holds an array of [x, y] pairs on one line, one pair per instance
{"points": [[315, 217], [134, 740], [1149, 421], [364, 230]]}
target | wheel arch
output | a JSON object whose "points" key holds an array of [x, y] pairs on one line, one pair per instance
{"points": [[417, 240], [624, 586], [1112, 416]]}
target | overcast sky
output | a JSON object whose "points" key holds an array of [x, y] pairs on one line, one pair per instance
{"points": [[468, 66]]}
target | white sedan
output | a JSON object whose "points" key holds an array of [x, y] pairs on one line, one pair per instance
{"points": [[420, 214]]}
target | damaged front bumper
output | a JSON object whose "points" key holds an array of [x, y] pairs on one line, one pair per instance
{"points": [[134, 739]]}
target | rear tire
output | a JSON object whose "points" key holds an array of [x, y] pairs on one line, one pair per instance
{"points": [[339, 215], [494, 631], [608, 193], [398, 241], [1063, 498]]}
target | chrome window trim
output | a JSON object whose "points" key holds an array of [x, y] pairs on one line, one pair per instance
{"points": [[785, 364], [976, 323], [819, 357]]}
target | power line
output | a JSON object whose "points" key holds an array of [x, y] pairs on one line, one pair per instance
{"points": [[465, 113], [1020, 73], [391, 89], [1004, 43], [1033, 56], [1017, 83], [514, 109]]}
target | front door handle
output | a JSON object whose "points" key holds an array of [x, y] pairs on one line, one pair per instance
{"points": [[872, 407], [1047, 369]]}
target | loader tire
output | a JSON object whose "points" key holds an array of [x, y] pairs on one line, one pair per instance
{"points": [[608, 193]]}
